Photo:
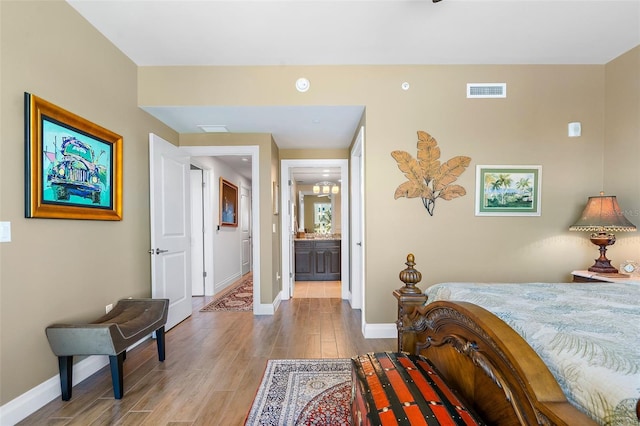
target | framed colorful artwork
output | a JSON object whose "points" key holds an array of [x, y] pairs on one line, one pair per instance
{"points": [[508, 190], [228, 203], [73, 168]]}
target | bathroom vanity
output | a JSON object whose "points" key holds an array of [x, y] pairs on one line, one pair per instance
{"points": [[317, 259]]}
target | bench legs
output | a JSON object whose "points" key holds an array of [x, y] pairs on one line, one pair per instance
{"points": [[116, 373], [65, 365], [160, 342]]}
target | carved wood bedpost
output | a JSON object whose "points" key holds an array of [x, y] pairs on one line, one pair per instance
{"points": [[409, 298]]}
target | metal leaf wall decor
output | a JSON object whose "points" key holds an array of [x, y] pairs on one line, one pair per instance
{"points": [[428, 178]]}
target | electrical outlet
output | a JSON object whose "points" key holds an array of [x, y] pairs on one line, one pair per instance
{"points": [[108, 308]]}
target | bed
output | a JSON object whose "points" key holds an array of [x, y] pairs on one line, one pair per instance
{"points": [[532, 353]]}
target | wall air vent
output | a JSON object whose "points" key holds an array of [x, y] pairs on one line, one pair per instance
{"points": [[486, 90]]}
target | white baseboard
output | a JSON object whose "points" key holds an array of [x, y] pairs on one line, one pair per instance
{"points": [[29, 402], [267, 308], [380, 331], [34, 399], [222, 285]]}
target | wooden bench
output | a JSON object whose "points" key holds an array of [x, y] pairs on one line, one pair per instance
{"points": [[395, 388], [128, 322]]}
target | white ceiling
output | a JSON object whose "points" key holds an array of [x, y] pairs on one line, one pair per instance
{"points": [[357, 32]]}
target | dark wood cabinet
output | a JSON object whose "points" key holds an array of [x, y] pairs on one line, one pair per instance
{"points": [[304, 258], [317, 260]]}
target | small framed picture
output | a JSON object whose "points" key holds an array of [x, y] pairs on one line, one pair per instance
{"points": [[228, 203], [508, 190], [73, 168]]}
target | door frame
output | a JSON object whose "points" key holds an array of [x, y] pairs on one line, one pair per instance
{"points": [[207, 209], [252, 151], [285, 218], [245, 190], [198, 273], [357, 225]]}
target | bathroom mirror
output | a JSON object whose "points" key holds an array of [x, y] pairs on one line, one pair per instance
{"points": [[316, 213]]}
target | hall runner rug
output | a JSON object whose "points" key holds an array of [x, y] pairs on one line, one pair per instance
{"points": [[303, 392], [238, 299]]}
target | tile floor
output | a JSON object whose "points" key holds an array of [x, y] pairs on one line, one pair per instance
{"points": [[317, 289]]}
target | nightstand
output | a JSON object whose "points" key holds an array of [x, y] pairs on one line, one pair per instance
{"points": [[593, 277]]}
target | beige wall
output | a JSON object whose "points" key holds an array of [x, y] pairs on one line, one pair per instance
{"points": [[57, 270], [314, 154], [48, 50], [622, 147], [528, 127]]}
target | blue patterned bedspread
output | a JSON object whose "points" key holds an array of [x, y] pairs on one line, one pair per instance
{"points": [[588, 334]]}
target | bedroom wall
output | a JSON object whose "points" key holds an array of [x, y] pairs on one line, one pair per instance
{"points": [[622, 148], [529, 127], [57, 270], [77, 69]]}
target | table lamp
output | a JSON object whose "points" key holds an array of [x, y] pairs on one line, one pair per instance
{"points": [[602, 216]]}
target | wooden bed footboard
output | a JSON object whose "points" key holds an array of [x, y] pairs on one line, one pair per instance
{"points": [[488, 363]]}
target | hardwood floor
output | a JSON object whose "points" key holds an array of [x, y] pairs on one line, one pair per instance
{"points": [[214, 364]]}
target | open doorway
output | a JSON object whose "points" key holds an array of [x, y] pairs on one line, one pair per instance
{"points": [[290, 225], [252, 193]]}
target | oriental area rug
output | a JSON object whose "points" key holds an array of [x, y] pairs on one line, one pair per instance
{"points": [[303, 392], [239, 298]]}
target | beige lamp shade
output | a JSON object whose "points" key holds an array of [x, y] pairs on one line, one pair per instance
{"points": [[602, 213]]}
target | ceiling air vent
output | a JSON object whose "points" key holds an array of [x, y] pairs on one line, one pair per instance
{"points": [[486, 90]]}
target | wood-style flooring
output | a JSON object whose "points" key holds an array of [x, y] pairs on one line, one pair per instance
{"points": [[214, 364]]}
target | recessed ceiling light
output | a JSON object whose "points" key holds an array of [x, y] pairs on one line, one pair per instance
{"points": [[213, 128]]}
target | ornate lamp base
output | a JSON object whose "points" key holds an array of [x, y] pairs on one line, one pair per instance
{"points": [[603, 265]]}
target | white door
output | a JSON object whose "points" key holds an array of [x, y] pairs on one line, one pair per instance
{"points": [[245, 228], [197, 233], [291, 231], [357, 224], [170, 228]]}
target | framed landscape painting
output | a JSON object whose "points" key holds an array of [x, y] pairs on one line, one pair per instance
{"points": [[228, 203], [508, 190], [73, 168]]}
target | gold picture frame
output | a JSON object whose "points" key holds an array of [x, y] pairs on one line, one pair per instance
{"points": [[228, 203], [73, 167]]}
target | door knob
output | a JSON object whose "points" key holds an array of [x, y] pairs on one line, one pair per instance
{"points": [[158, 251]]}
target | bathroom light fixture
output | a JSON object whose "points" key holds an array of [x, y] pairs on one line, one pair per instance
{"points": [[326, 188]]}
